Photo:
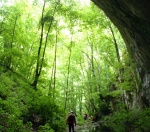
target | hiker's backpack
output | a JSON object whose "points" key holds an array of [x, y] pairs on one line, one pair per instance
{"points": [[71, 118]]}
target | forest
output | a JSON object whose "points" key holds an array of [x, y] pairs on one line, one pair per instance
{"points": [[58, 56]]}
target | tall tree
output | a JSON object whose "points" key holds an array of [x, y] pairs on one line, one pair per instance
{"points": [[68, 72], [41, 54]]}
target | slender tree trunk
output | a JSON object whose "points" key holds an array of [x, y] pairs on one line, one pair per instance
{"points": [[98, 75], [41, 55], [115, 43], [124, 96], [37, 72], [89, 75], [67, 83], [83, 92], [93, 81], [55, 64]]}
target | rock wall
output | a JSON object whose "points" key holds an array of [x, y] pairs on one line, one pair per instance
{"points": [[132, 17]]}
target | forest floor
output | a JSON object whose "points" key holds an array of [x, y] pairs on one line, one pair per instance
{"points": [[87, 127]]}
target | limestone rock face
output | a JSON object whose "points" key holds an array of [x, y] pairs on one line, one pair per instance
{"points": [[132, 17]]}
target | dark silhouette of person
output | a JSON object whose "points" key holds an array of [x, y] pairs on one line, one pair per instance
{"points": [[85, 116], [71, 121], [96, 117]]}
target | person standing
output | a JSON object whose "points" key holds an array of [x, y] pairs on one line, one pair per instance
{"points": [[71, 121], [85, 116]]}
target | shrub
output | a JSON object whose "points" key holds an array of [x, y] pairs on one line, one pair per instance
{"points": [[133, 120]]}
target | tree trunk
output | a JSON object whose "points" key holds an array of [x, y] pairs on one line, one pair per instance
{"points": [[41, 54], [68, 73], [55, 64]]}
